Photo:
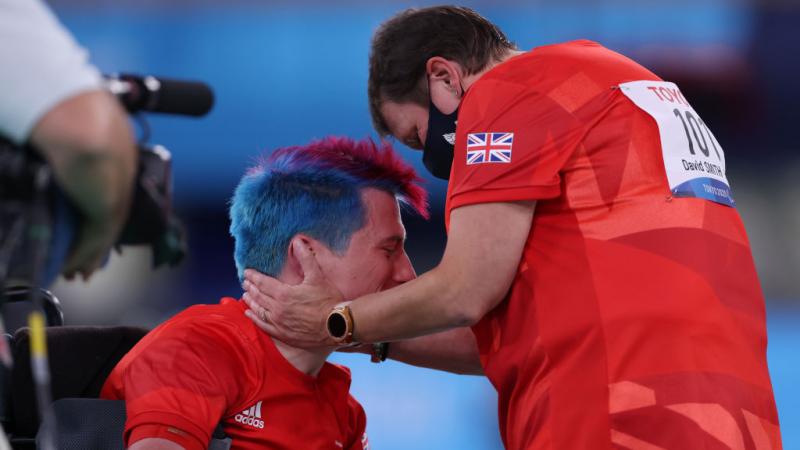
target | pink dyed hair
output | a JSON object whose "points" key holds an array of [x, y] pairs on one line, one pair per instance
{"points": [[368, 163]]}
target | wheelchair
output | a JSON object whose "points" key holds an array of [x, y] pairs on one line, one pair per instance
{"points": [[80, 358]]}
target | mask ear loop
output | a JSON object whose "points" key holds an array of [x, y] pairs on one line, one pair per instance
{"points": [[460, 86]]}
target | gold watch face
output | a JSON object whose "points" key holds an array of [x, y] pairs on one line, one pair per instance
{"points": [[337, 325]]}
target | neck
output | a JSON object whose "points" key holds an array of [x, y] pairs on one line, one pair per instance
{"points": [[307, 361], [469, 79]]}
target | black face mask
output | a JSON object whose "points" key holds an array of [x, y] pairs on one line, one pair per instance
{"points": [[440, 142]]}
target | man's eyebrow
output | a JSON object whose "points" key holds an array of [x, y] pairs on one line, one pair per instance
{"points": [[394, 239]]}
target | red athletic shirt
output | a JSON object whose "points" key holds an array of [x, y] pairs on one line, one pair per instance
{"points": [[635, 320], [211, 364]]}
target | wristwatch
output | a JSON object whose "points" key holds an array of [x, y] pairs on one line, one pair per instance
{"points": [[340, 324]]}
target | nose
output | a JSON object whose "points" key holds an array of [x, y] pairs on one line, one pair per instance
{"points": [[403, 270]]}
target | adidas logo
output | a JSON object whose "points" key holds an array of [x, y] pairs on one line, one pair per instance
{"points": [[251, 416]]}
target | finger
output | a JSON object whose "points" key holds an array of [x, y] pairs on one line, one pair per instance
{"points": [[257, 317], [84, 259], [86, 270], [267, 327], [254, 306], [92, 267], [262, 314], [258, 298], [263, 284], [312, 273], [77, 260]]}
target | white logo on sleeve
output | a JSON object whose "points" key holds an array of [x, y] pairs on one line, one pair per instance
{"points": [[251, 416]]}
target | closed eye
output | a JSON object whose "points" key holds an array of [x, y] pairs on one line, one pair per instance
{"points": [[412, 140], [392, 249], [392, 245], [414, 143]]}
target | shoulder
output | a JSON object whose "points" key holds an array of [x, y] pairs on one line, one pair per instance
{"points": [[206, 348], [543, 63], [344, 377], [43, 65], [358, 424], [341, 377], [581, 64], [201, 320], [340, 370], [357, 412], [209, 334]]}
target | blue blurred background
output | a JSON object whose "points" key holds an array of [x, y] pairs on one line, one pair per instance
{"points": [[286, 72]]}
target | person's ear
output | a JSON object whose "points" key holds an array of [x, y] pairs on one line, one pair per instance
{"points": [[444, 74], [444, 83], [311, 245], [292, 264]]}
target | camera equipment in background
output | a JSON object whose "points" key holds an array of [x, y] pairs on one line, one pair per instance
{"points": [[161, 95], [38, 224]]}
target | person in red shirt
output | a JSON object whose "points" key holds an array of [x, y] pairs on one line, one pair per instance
{"points": [[337, 199], [593, 245]]}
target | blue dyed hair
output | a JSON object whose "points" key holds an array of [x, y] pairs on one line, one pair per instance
{"points": [[315, 190]]}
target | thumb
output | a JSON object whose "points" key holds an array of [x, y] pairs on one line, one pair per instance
{"points": [[312, 273]]}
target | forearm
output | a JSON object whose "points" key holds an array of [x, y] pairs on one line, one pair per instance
{"points": [[426, 305], [453, 351], [473, 277], [88, 142], [479, 264]]}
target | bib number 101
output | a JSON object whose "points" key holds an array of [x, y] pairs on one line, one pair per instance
{"points": [[693, 159], [699, 132]]}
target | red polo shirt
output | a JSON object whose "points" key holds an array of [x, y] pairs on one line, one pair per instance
{"points": [[211, 364], [636, 319]]}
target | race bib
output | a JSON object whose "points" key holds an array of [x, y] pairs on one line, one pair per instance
{"points": [[693, 158]]}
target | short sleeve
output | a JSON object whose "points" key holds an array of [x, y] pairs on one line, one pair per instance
{"points": [[180, 437], [185, 379], [358, 425], [511, 144], [42, 66]]}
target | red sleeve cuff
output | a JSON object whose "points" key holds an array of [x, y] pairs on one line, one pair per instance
{"points": [[180, 437], [166, 426], [504, 195]]}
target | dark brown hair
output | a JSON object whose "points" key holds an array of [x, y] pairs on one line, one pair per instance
{"points": [[403, 44]]}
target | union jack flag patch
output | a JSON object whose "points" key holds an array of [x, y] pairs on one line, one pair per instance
{"points": [[489, 148]]}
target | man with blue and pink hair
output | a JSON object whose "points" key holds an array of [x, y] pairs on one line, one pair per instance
{"points": [[336, 199]]}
